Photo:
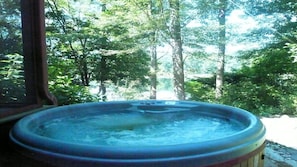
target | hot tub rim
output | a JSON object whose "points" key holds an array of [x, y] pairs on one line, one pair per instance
{"points": [[253, 136]]}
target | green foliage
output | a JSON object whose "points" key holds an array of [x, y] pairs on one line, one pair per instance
{"points": [[66, 88], [12, 82], [132, 91], [165, 84], [10, 27], [292, 46], [260, 99], [266, 87], [200, 91], [68, 93], [90, 41], [109, 41]]}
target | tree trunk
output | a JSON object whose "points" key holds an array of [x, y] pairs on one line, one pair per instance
{"points": [[86, 74], [221, 53], [102, 91], [153, 54], [153, 70], [102, 73], [176, 44], [103, 69]]}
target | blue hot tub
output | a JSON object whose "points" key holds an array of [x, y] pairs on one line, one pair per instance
{"points": [[142, 133]]}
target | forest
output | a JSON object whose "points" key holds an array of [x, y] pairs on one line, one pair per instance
{"points": [[240, 53]]}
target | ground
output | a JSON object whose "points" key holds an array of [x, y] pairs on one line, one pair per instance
{"points": [[281, 135]]}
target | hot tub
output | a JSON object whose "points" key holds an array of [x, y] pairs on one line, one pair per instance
{"points": [[142, 133]]}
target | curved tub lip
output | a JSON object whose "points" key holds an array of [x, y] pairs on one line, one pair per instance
{"points": [[232, 146]]}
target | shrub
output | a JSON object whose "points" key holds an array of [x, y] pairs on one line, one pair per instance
{"points": [[200, 91]]}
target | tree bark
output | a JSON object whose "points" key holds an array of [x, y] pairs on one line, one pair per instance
{"points": [[153, 70], [102, 79], [153, 55], [221, 52], [103, 70], [176, 44]]}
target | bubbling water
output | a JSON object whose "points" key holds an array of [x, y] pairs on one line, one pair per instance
{"points": [[133, 128]]}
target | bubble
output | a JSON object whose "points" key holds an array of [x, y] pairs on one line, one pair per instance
{"points": [[139, 128]]}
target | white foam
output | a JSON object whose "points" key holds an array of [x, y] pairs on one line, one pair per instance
{"points": [[139, 129]]}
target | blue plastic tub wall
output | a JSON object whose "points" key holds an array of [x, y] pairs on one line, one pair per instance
{"points": [[227, 151]]}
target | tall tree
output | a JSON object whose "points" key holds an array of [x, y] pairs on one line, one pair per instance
{"points": [[98, 41], [74, 34], [177, 52], [212, 31], [153, 67], [221, 47], [155, 25], [12, 89], [153, 54], [147, 20]]}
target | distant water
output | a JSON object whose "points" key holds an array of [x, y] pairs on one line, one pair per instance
{"points": [[139, 129]]}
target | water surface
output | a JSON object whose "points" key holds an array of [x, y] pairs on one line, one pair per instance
{"points": [[133, 128]]}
